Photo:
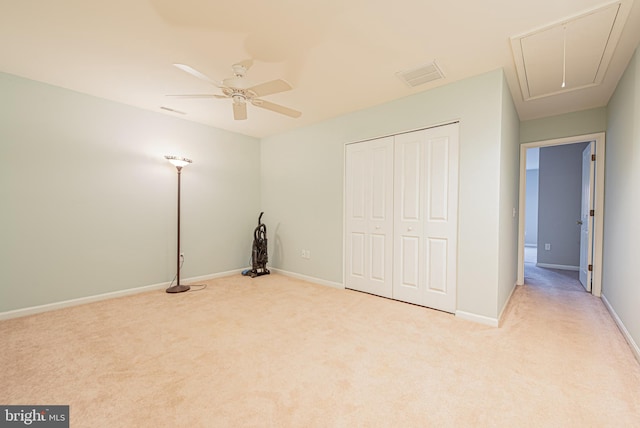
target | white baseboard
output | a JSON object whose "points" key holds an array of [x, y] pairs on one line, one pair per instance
{"points": [[632, 344], [561, 267], [111, 295], [308, 278], [481, 319], [506, 304], [211, 276]]}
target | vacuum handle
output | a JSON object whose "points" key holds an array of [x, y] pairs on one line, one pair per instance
{"points": [[260, 218]]}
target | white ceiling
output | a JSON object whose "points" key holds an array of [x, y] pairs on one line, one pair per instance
{"points": [[339, 55]]}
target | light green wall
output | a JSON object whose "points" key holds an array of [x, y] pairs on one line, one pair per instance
{"points": [[89, 203], [622, 201], [565, 125], [302, 183], [509, 188]]}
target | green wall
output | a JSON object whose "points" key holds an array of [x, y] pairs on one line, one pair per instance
{"points": [[565, 125], [622, 202], [89, 202], [302, 183], [509, 189]]}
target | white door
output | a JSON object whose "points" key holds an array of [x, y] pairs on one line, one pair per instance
{"points": [[369, 216], [586, 220], [426, 212]]}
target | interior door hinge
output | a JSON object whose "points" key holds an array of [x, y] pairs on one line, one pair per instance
{"points": [[590, 268], [593, 158], [592, 213]]}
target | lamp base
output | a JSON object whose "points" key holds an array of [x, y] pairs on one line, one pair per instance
{"points": [[177, 289]]}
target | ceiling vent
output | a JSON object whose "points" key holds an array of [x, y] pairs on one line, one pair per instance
{"points": [[421, 75], [570, 54]]}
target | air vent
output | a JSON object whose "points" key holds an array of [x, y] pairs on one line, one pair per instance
{"points": [[421, 75]]}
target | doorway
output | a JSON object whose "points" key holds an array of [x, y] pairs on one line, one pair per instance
{"points": [[524, 252]]}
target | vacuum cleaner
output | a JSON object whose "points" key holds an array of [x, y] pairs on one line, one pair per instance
{"points": [[259, 256]]}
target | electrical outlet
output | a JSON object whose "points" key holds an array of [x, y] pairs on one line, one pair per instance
{"points": [[305, 254], [547, 247]]}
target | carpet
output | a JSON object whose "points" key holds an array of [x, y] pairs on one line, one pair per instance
{"points": [[279, 352]]}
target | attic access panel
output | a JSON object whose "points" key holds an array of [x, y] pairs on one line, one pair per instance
{"points": [[591, 38]]}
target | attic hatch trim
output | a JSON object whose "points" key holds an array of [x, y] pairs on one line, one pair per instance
{"points": [[623, 9]]}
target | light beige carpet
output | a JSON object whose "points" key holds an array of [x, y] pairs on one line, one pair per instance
{"points": [[278, 352]]}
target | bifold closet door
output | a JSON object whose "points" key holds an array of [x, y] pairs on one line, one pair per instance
{"points": [[369, 216], [425, 217]]}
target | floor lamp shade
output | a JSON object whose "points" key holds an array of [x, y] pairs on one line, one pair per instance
{"points": [[179, 163]]}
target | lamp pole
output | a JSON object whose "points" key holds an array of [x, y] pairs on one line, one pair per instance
{"points": [[179, 163]]}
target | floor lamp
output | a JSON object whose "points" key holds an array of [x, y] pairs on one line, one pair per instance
{"points": [[178, 162]]}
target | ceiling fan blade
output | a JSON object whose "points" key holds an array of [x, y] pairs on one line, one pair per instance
{"points": [[239, 111], [197, 96], [271, 87], [277, 108], [196, 73]]}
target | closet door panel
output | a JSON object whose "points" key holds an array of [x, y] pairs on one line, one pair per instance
{"points": [[409, 202], [378, 254], [437, 265], [437, 171], [369, 216], [426, 215], [409, 261], [356, 207], [409, 154], [441, 223], [356, 259]]}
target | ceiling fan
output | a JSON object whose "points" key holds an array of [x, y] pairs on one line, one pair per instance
{"points": [[238, 89]]}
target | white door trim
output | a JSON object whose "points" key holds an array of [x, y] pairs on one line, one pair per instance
{"points": [[598, 235]]}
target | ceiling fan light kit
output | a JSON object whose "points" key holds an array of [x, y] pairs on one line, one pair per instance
{"points": [[238, 89]]}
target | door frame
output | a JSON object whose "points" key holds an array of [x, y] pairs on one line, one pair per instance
{"points": [[598, 223]]}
